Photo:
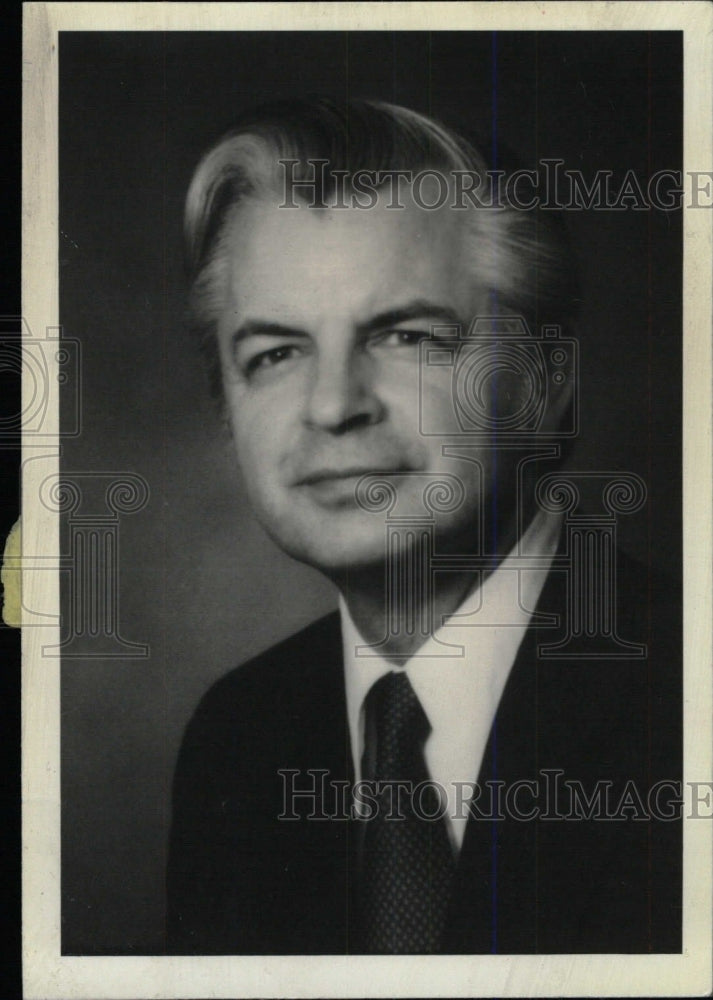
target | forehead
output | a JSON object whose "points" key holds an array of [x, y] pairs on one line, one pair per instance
{"points": [[313, 262]]}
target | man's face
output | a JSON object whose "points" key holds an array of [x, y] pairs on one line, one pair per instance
{"points": [[319, 341]]}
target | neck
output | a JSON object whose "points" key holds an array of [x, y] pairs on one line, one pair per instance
{"points": [[398, 606], [401, 628]]}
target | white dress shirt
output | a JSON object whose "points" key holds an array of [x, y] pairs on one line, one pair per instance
{"points": [[459, 691]]}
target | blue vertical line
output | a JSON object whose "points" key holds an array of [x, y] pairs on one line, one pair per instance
{"points": [[494, 505], [394, 95], [346, 65], [430, 73]]}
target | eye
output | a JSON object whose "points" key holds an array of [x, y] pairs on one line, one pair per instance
{"points": [[266, 359], [399, 338], [259, 362]]}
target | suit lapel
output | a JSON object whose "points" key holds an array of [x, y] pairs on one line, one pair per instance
{"points": [[323, 849], [495, 900]]}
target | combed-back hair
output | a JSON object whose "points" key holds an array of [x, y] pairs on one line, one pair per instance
{"points": [[521, 257]]}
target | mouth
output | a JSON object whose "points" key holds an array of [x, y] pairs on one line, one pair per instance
{"points": [[351, 473], [337, 486], [328, 475]]}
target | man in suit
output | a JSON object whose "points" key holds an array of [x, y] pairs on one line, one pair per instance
{"points": [[479, 752]]}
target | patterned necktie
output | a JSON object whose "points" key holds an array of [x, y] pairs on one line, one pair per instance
{"points": [[407, 862]]}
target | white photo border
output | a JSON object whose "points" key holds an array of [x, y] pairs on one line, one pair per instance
{"points": [[48, 974]]}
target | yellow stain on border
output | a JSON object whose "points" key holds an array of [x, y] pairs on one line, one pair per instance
{"points": [[11, 577]]}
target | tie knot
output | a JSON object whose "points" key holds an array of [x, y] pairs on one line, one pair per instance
{"points": [[399, 722]]}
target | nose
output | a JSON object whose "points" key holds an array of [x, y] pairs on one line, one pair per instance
{"points": [[342, 396]]}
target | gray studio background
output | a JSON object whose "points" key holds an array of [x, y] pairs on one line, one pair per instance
{"points": [[199, 582]]}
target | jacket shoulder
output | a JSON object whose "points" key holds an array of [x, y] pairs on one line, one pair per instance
{"points": [[280, 674]]}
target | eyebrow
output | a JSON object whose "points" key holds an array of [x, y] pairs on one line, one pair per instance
{"points": [[417, 309], [259, 327]]}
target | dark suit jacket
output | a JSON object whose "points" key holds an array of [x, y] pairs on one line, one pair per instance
{"points": [[240, 881]]}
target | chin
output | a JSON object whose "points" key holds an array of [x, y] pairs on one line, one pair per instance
{"points": [[349, 540], [335, 548], [340, 557]]}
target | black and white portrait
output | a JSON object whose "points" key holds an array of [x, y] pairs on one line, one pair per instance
{"points": [[370, 492]]}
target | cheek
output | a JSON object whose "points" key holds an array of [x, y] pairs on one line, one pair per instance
{"points": [[430, 411], [245, 426], [263, 431], [399, 388]]}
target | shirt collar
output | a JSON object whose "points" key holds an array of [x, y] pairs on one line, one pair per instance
{"points": [[460, 671]]}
